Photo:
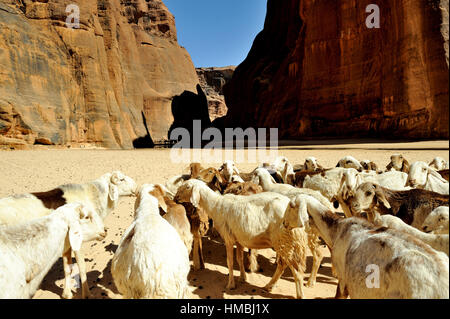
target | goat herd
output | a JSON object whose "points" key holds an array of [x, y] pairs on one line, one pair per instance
{"points": [[395, 221]]}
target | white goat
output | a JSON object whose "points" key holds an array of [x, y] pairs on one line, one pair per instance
{"points": [[102, 195], [288, 174], [151, 261], [228, 170], [277, 167], [438, 242], [263, 178], [393, 180], [398, 163], [334, 184], [290, 241], [245, 221], [437, 222], [311, 164], [424, 177], [173, 183], [350, 162], [404, 267], [29, 250], [439, 164]]}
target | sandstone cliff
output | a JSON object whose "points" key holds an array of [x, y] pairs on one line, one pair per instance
{"points": [[316, 70], [94, 85], [212, 80]]}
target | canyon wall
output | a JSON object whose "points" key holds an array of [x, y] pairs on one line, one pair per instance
{"points": [[317, 71], [101, 84], [212, 80]]}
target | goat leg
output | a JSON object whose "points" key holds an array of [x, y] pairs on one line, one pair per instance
{"points": [[85, 294], [281, 266], [67, 262], [314, 246], [230, 252], [298, 277], [240, 260], [252, 265]]}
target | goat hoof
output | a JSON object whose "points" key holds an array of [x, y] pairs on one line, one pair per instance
{"points": [[86, 296], [268, 288], [197, 268], [243, 280], [253, 269], [310, 284], [67, 295], [231, 286]]}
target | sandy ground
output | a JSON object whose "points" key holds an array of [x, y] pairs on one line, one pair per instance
{"points": [[40, 170]]}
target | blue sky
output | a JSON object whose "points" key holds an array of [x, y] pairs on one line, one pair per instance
{"points": [[217, 32]]}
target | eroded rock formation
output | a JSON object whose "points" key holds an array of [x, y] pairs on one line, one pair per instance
{"points": [[212, 81], [316, 70], [91, 85]]}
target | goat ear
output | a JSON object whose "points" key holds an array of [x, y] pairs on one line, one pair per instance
{"points": [[408, 183], [216, 183], [115, 178], [162, 203], [219, 178], [290, 179], [381, 198], [303, 216], [113, 192], [235, 170], [437, 175], [195, 197], [405, 166], [273, 179], [159, 193], [82, 211], [292, 203], [75, 235]]}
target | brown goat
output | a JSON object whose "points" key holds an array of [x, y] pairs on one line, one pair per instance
{"points": [[199, 227], [411, 206], [370, 166], [399, 163], [195, 169], [212, 177], [247, 188], [175, 214], [198, 219]]}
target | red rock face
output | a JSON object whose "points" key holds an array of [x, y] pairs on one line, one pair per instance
{"points": [[94, 84], [212, 81], [316, 70]]}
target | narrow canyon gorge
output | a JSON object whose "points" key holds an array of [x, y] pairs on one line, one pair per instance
{"points": [[122, 80]]}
